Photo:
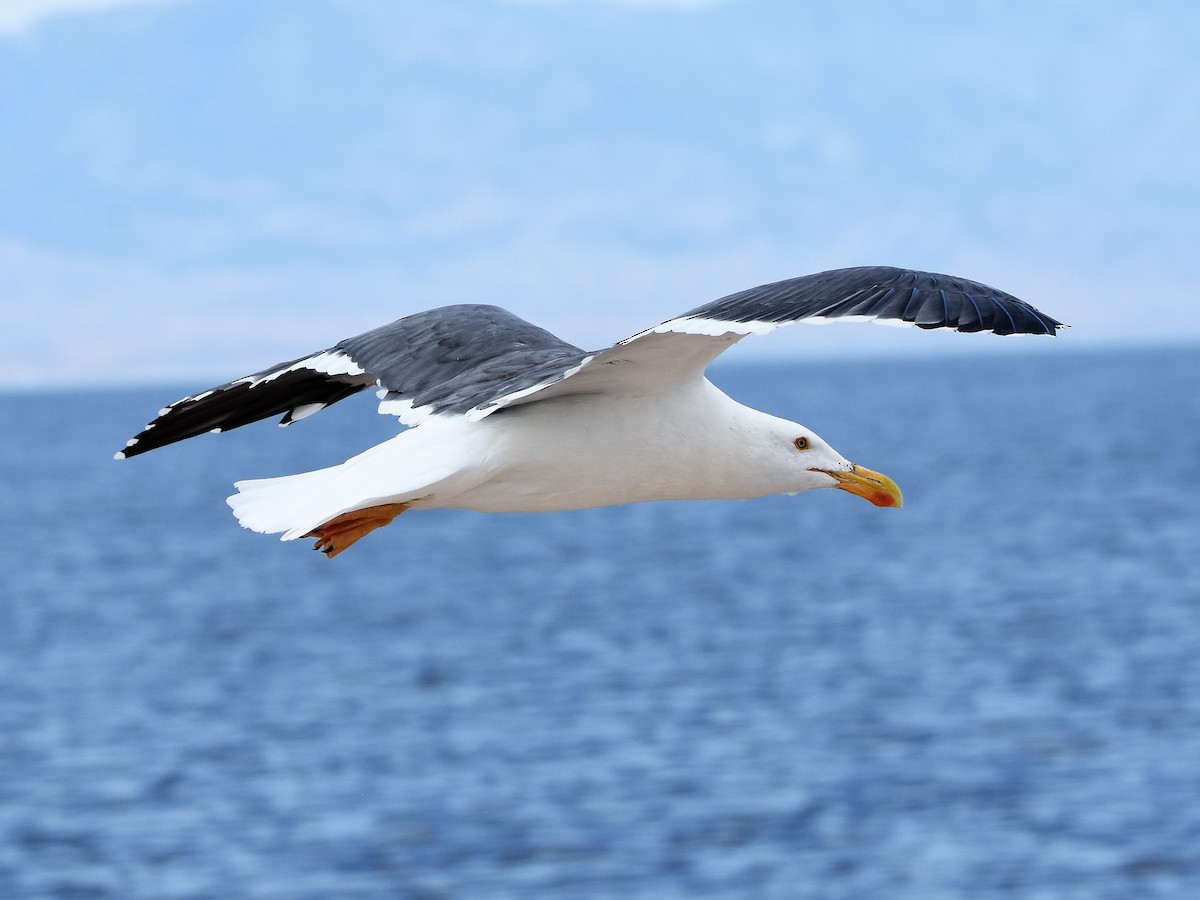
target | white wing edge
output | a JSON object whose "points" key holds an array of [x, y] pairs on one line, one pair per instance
{"points": [[486, 409]]}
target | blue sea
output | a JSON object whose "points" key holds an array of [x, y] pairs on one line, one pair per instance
{"points": [[992, 693]]}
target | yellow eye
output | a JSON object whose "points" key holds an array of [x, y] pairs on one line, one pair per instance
{"points": [[801, 443]]}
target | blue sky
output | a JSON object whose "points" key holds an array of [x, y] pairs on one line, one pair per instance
{"points": [[193, 189]]}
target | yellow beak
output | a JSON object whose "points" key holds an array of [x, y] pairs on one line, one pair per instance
{"points": [[873, 486]]}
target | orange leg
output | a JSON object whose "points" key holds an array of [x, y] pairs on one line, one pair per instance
{"points": [[341, 531]]}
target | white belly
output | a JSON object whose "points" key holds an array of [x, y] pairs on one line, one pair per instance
{"points": [[579, 452]]}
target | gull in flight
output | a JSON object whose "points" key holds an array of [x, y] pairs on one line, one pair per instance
{"points": [[506, 417]]}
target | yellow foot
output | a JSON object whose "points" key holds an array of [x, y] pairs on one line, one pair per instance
{"points": [[340, 532]]}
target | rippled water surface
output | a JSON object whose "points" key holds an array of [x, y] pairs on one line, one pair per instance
{"points": [[994, 692]]}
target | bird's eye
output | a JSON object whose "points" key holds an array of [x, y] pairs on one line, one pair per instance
{"points": [[801, 443]]}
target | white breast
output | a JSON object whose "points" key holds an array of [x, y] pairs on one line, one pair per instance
{"points": [[598, 450]]}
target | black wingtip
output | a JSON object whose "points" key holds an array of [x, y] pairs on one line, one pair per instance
{"points": [[295, 393]]}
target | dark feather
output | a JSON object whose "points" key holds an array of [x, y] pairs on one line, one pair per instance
{"points": [[926, 299]]}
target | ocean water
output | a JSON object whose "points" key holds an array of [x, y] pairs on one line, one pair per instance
{"points": [[992, 693]]}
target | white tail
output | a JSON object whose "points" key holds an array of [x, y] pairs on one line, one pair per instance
{"points": [[410, 466], [294, 504]]}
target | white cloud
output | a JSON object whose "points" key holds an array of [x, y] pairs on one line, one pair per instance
{"points": [[17, 16]]}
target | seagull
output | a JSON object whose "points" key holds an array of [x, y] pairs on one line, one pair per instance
{"points": [[504, 416]]}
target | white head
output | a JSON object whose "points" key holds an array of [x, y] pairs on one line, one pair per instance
{"points": [[800, 460]]}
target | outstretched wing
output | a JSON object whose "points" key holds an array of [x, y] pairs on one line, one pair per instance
{"points": [[474, 360], [924, 299], [445, 360], [683, 347]]}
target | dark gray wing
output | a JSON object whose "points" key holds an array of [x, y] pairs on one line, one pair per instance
{"points": [[924, 299], [445, 360], [681, 348], [453, 359]]}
